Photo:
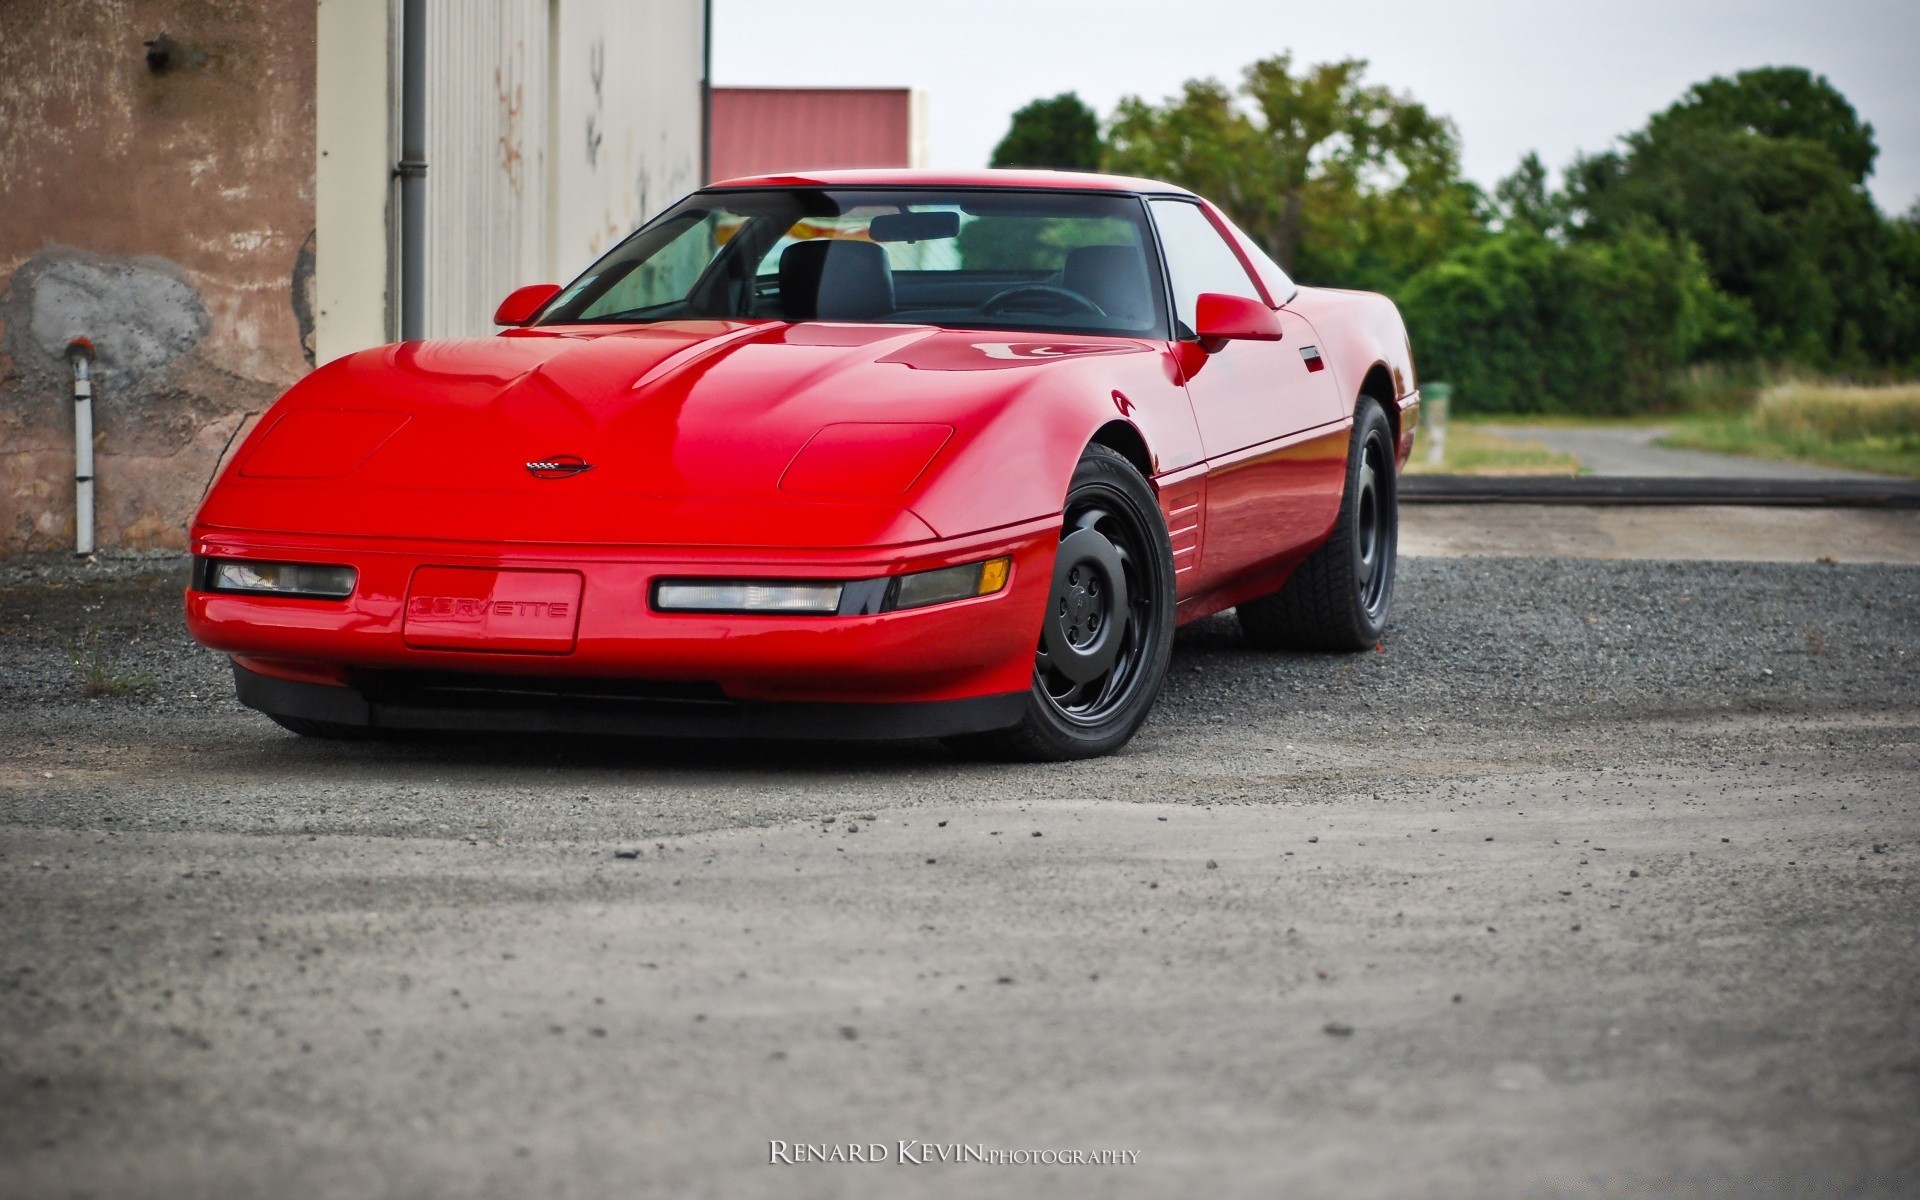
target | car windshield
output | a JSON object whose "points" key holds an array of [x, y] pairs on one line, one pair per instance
{"points": [[1056, 262]]}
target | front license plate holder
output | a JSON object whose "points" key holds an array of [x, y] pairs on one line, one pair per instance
{"points": [[486, 609]]}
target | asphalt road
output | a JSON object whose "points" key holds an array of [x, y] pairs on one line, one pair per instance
{"points": [[1695, 533], [1599, 878]]}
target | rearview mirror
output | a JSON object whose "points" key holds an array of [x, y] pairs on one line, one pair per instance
{"points": [[1223, 318], [524, 303], [914, 227]]}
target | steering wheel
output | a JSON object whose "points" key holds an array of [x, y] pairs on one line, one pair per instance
{"points": [[1064, 300]]}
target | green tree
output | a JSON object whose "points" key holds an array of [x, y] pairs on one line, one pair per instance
{"points": [[1523, 323], [1524, 199], [1903, 264], [1061, 133], [1777, 102], [1341, 180], [1764, 174]]}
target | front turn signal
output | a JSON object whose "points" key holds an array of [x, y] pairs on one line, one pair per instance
{"points": [[950, 583]]}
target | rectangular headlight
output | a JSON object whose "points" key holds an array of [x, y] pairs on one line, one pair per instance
{"points": [[950, 583], [729, 595], [281, 579]]}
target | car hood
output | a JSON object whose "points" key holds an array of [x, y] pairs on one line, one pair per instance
{"points": [[686, 430]]}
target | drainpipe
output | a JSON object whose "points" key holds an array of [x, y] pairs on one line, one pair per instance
{"points": [[706, 92], [80, 354], [412, 169]]}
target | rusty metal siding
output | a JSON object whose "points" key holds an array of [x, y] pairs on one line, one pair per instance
{"points": [[486, 116], [626, 122], [554, 127], [759, 131]]}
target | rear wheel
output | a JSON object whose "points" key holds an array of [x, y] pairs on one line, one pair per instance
{"points": [[1108, 629], [1338, 599]]}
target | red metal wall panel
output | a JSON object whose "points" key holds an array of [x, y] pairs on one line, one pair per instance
{"points": [[760, 131]]}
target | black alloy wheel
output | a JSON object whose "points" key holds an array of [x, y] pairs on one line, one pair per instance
{"points": [[1375, 533], [1107, 632], [1340, 596]]}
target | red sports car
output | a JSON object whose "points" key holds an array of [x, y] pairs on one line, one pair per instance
{"points": [[872, 454]]}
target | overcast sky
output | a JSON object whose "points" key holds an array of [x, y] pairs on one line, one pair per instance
{"points": [[1554, 77]]}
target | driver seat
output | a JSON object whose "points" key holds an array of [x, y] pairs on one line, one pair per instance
{"points": [[1115, 278], [826, 279]]}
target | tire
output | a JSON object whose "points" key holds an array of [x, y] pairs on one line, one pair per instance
{"points": [[331, 730], [1108, 630], [1340, 596]]}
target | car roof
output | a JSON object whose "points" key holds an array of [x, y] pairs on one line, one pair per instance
{"points": [[1023, 180]]}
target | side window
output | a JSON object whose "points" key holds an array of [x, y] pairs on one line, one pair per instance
{"points": [[1278, 285], [666, 277], [1198, 259]]}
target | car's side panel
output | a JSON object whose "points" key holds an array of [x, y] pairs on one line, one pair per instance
{"points": [[1183, 501], [1265, 498], [1268, 505], [1359, 332], [1271, 416]]}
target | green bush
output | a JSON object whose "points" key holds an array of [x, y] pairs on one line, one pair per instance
{"points": [[1522, 322]]}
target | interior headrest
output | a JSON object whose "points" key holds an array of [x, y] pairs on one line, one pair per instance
{"points": [[831, 280], [1114, 277]]}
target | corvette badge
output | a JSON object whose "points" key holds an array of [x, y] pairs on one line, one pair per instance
{"points": [[558, 466]]}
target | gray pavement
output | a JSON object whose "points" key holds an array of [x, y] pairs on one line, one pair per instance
{"points": [[1698, 533], [1599, 878], [1630, 450]]}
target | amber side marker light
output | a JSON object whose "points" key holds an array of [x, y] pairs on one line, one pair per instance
{"points": [[950, 583]]}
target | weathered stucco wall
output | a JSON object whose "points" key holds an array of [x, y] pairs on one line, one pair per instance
{"points": [[164, 210]]}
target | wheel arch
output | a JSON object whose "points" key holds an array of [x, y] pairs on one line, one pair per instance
{"points": [[1124, 439], [1378, 384]]}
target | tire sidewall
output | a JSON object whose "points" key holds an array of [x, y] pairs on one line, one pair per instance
{"points": [[1370, 422], [1071, 739]]}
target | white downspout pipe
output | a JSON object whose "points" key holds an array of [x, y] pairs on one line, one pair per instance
{"points": [[80, 354]]}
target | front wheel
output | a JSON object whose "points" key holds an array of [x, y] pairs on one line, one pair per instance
{"points": [[1108, 630], [1339, 597]]}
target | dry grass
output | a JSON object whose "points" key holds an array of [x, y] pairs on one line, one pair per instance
{"points": [[1474, 450], [1838, 413], [1873, 428]]}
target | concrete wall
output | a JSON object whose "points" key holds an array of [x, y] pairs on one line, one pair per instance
{"points": [[168, 215], [164, 203]]}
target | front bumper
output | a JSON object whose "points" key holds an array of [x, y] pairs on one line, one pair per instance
{"points": [[468, 702], [964, 650]]}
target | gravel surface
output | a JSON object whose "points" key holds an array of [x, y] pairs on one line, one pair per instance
{"points": [[1597, 878]]}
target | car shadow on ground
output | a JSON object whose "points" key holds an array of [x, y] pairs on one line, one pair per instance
{"points": [[1210, 645]]}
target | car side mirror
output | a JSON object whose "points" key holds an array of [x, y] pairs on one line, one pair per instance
{"points": [[522, 304], [1221, 318]]}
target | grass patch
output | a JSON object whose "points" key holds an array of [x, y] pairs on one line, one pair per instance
{"points": [[1859, 428], [97, 675], [1472, 450]]}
